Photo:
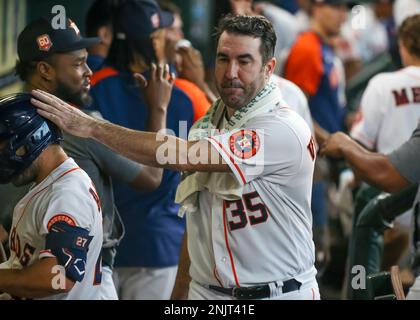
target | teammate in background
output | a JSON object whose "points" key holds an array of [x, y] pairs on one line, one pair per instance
{"points": [[391, 172], [58, 222], [147, 259], [390, 110], [98, 23], [188, 63], [101, 164], [312, 66], [247, 196], [390, 106], [296, 99]]}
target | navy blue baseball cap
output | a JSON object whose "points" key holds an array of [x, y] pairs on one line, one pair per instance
{"points": [[136, 20], [40, 39]]}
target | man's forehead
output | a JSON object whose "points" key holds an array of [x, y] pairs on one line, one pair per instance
{"points": [[238, 44]]}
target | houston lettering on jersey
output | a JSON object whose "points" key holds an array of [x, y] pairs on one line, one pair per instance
{"points": [[61, 217]]}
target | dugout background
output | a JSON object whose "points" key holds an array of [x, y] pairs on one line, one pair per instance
{"points": [[199, 17]]}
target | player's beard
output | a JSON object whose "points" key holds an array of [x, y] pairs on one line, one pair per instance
{"points": [[79, 98], [239, 100], [27, 176]]}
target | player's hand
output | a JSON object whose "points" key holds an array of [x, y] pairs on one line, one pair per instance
{"points": [[241, 7], [157, 90], [65, 116], [192, 66], [332, 146]]}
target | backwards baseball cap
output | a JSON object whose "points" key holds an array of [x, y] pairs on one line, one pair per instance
{"points": [[40, 39], [138, 19]]}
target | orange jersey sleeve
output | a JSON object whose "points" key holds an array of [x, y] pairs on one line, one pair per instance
{"points": [[304, 64], [196, 95]]}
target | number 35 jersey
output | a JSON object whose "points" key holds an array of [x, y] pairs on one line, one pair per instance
{"points": [[267, 234]]}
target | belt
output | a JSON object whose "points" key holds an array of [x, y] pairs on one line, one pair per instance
{"points": [[256, 292]]}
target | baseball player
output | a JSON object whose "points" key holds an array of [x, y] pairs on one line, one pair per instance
{"points": [[248, 187], [56, 235], [390, 106], [390, 172], [295, 98]]}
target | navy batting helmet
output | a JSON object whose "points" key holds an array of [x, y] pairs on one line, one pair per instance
{"points": [[24, 134]]}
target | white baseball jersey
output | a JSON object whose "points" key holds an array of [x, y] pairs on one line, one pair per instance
{"points": [[295, 99], [267, 235], [403, 9], [389, 110], [67, 194], [388, 114]]}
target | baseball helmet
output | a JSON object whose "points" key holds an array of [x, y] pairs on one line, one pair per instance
{"points": [[24, 134]]}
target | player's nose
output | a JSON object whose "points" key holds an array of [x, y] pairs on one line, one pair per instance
{"points": [[231, 71]]}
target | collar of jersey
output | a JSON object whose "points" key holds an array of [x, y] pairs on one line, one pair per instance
{"points": [[65, 166]]}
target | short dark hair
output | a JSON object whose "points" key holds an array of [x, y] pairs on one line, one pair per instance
{"points": [[26, 69], [121, 54], [409, 32], [99, 15], [254, 26]]}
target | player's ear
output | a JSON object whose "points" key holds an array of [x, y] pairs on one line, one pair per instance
{"points": [[45, 70], [269, 68]]}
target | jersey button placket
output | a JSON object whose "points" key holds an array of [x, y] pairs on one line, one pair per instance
{"points": [[219, 246]]}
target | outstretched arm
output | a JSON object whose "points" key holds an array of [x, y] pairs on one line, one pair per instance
{"points": [[374, 168], [152, 149]]}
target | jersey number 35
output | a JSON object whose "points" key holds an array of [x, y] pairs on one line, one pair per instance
{"points": [[256, 212]]}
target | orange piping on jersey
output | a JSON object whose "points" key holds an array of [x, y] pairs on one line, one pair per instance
{"points": [[102, 74], [227, 245], [43, 189], [217, 276], [231, 160], [313, 293]]}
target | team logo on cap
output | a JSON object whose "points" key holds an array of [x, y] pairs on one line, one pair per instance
{"points": [[244, 144], [154, 19], [74, 27], [44, 42]]}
